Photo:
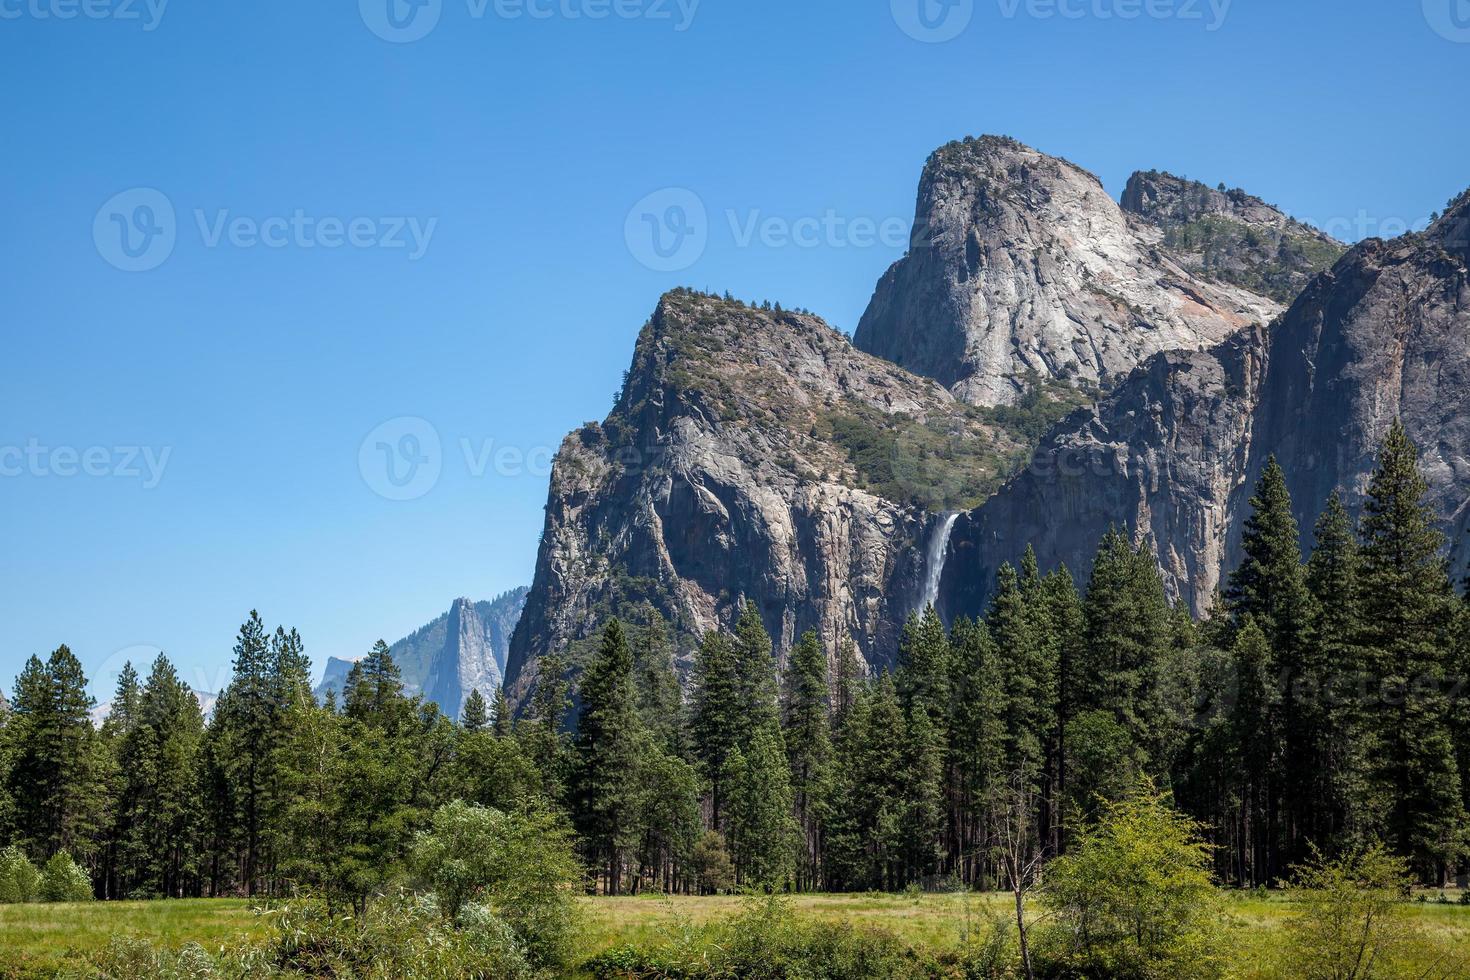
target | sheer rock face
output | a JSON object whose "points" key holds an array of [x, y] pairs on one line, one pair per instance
{"points": [[1174, 451], [1164, 454], [1386, 334], [463, 650], [1231, 237], [719, 478], [1022, 263]]}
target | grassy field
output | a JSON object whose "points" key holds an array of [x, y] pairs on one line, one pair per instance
{"points": [[41, 937], [35, 938]]}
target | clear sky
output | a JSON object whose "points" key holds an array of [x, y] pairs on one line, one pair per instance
{"points": [[243, 237]]}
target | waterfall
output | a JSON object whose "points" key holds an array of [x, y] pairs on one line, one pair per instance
{"points": [[934, 561]]}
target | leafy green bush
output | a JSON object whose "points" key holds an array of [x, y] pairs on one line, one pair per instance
{"points": [[517, 867], [19, 879], [1353, 922], [768, 942], [1135, 899], [62, 880]]}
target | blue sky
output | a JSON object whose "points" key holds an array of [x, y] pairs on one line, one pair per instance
{"points": [[367, 230]]}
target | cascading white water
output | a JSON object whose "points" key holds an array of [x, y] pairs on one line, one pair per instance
{"points": [[934, 560]]}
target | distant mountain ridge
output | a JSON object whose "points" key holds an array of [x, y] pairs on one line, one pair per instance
{"points": [[463, 650]]}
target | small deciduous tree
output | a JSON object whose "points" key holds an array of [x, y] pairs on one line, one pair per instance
{"points": [[1135, 895], [1352, 923]]}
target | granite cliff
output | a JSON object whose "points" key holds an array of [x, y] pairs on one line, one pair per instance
{"points": [[753, 454], [1023, 270], [1173, 452]]}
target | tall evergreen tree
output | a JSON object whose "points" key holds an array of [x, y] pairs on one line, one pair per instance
{"points": [[373, 693], [977, 743], [717, 721], [607, 757], [755, 673], [761, 829], [543, 734], [1270, 587], [660, 704], [1343, 809], [473, 716], [1029, 677], [502, 720], [809, 751], [1409, 612], [923, 656], [159, 758], [55, 781]]}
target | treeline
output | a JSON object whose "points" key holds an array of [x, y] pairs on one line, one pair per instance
{"points": [[1320, 705]]}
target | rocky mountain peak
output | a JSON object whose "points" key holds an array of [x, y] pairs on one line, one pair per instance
{"points": [[1452, 229], [1231, 237], [463, 650], [754, 453], [1023, 270]]}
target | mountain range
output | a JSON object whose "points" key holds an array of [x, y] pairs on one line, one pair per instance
{"points": [[1043, 363], [461, 651]]}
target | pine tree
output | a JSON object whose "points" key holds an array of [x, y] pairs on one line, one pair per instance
{"points": [[543, 735], [1256, 761], [922, 775], [503, 721], [1344, 812], [717, 721], [1027, 674], [244, 736], [1127, 645], [373, 693], [923, 656], [607, 756], [159, 761], [762, 832], [55, 773], [755, 672], [472, 715], [1409, 611], [1270, 588], [977, 743], [809, 751], [660, 704]]}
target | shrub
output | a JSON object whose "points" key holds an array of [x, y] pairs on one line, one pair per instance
{"points": [[767, 942], [1352, 924], [1134, 898], [519, 866], [19, 879], [62, 880], [399, 936]]}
